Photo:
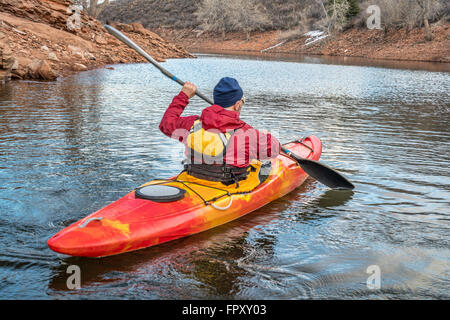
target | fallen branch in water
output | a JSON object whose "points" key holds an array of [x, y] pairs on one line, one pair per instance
{"points": [[273, 47]]}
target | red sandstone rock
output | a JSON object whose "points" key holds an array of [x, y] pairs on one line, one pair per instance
{"points": [[40, 69], [30, 25], [79, 67]]}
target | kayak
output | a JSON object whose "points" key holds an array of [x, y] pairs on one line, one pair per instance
{"points": [[136, 222]]}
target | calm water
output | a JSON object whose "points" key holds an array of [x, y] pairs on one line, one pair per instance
{"points": [[71, 147]]}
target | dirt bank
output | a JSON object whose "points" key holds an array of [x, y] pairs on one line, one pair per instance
{"points": [[364, 43], [37, 43]]}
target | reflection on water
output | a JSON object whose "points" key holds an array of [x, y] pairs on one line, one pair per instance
{"points": [[69, 148], [336, 60]]}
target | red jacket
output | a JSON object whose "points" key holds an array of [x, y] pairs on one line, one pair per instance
{"points": [[246, 144]]}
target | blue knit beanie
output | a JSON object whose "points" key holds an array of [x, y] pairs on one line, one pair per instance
{"points": [[227, 92]]}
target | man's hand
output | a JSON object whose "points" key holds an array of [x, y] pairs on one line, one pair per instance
{"points": [[189, 89]]}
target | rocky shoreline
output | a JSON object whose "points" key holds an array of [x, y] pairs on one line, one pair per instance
{"points": [[37, 43], [399, 44]]}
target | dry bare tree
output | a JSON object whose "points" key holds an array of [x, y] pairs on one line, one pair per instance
{"points": [[327, 17], [92, 7], [336, 12], [425, 6], [215, 15], [411, 13], [248, 16], [232, 15], [339, 10]]}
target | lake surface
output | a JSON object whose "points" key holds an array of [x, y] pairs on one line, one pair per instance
{"points": [[70, 147]]}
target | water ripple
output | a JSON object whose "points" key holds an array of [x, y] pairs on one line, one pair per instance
{"points": [[70, 147]]}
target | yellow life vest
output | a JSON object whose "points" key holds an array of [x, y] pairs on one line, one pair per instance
{"points": [[207, 146], [206, 156]]}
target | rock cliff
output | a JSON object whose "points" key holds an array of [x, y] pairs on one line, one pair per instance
{"points": [[42, 39]]}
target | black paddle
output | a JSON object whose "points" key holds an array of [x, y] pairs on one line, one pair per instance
{"points": [[318, 171], [321, 172]]}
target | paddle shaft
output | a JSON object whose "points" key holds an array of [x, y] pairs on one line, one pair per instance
{"points": [[119, 35], [297, 158]]}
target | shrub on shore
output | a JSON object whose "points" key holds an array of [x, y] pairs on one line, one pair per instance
{"points": [[232, 15], [295, 16], [407, 13]]}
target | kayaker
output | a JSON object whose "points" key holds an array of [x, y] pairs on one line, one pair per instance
{"points": [[219, 145]]}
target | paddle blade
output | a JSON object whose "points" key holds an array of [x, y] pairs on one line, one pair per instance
{"points": [[324, 174]]}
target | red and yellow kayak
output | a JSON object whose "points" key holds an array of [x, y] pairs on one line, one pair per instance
{"points": [[133, 223]]}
